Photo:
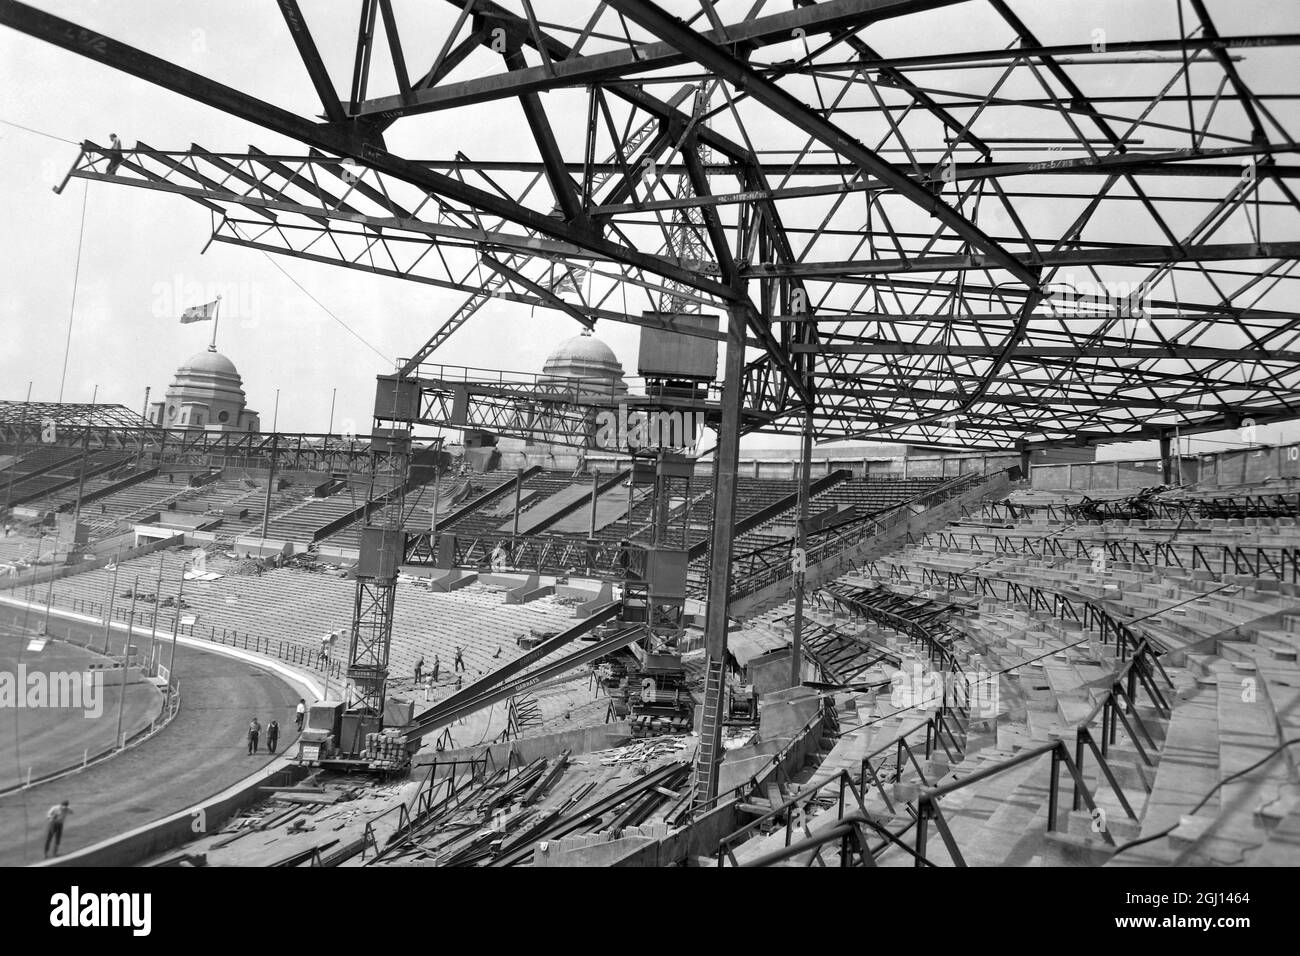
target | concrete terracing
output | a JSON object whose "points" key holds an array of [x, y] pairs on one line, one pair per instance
{"points": [[1210, 782]]}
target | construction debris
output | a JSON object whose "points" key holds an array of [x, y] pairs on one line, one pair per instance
{"points": [[650, 748]]}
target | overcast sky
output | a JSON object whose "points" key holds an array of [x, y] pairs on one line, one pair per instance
{"points": [[140, 256]]}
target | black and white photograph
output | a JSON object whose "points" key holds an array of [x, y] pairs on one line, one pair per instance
{"points": [[645, 434]]}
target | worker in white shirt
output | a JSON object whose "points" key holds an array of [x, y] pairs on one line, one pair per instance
{"points": [[114, 153], [54, 829]]}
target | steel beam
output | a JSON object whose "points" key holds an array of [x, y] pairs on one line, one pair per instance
{"points": [[727, 67], [725, 469], [353, 140], [320, 77], [564, 71], [801, 546]]}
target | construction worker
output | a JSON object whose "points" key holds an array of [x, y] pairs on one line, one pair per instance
{"points": [[624, 558], [114, 153], [459, 663], [54, 829], [254, 731], [272, 735], [419, 668], [437, 665], [300, 713]]}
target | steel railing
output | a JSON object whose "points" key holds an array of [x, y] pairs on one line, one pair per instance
{"points": [[1094, 734], [770, 563]]}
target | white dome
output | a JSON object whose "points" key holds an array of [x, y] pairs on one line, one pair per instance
{"points": [[207, 392], [209, 362], [584, 356]]}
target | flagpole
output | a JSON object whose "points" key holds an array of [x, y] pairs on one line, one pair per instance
{"points": [[216, 317]]}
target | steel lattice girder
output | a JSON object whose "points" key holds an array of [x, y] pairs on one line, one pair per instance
{"points": [[1027, 233], [547, 408], [32, 424]]}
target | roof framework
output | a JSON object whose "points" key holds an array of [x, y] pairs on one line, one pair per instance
{"points": [[977, 222], [38, 415]]}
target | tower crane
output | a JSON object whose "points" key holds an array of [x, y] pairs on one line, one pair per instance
{"points": [[558, 412]]}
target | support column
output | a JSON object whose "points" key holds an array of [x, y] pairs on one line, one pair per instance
{"points": [[433, 518], [519, 491], [726, 461], [81, 487], [595, 486], [631, 471], [801, 552], [1166, 462], [270, 486]]}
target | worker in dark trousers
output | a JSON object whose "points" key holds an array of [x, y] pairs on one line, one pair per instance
{"points": [[54, 828], [419, 669], [459, 663], [254, 731], [114, 153], [272, 735], [624, 558], [300, 713]]}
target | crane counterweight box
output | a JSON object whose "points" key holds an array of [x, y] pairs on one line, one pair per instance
{"points": [[666, 573], [675, 355], [397, 400], [381, 552]]}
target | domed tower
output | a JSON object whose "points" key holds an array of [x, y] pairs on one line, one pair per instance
{"points": [[206, 393], [588, 358], [583, 358]]}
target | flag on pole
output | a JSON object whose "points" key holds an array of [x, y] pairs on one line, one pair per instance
{"points": [[200, 313], [569, 282]]}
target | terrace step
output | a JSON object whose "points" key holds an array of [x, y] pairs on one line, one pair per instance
{"points": [[1188, 769]]}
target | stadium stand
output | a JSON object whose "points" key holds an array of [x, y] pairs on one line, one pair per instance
{"points": [[288, 610], [1169, 644], [44, 473], [1153, 657]]}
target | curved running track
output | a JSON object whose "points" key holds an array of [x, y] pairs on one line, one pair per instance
{"points": [[201, 752]]}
